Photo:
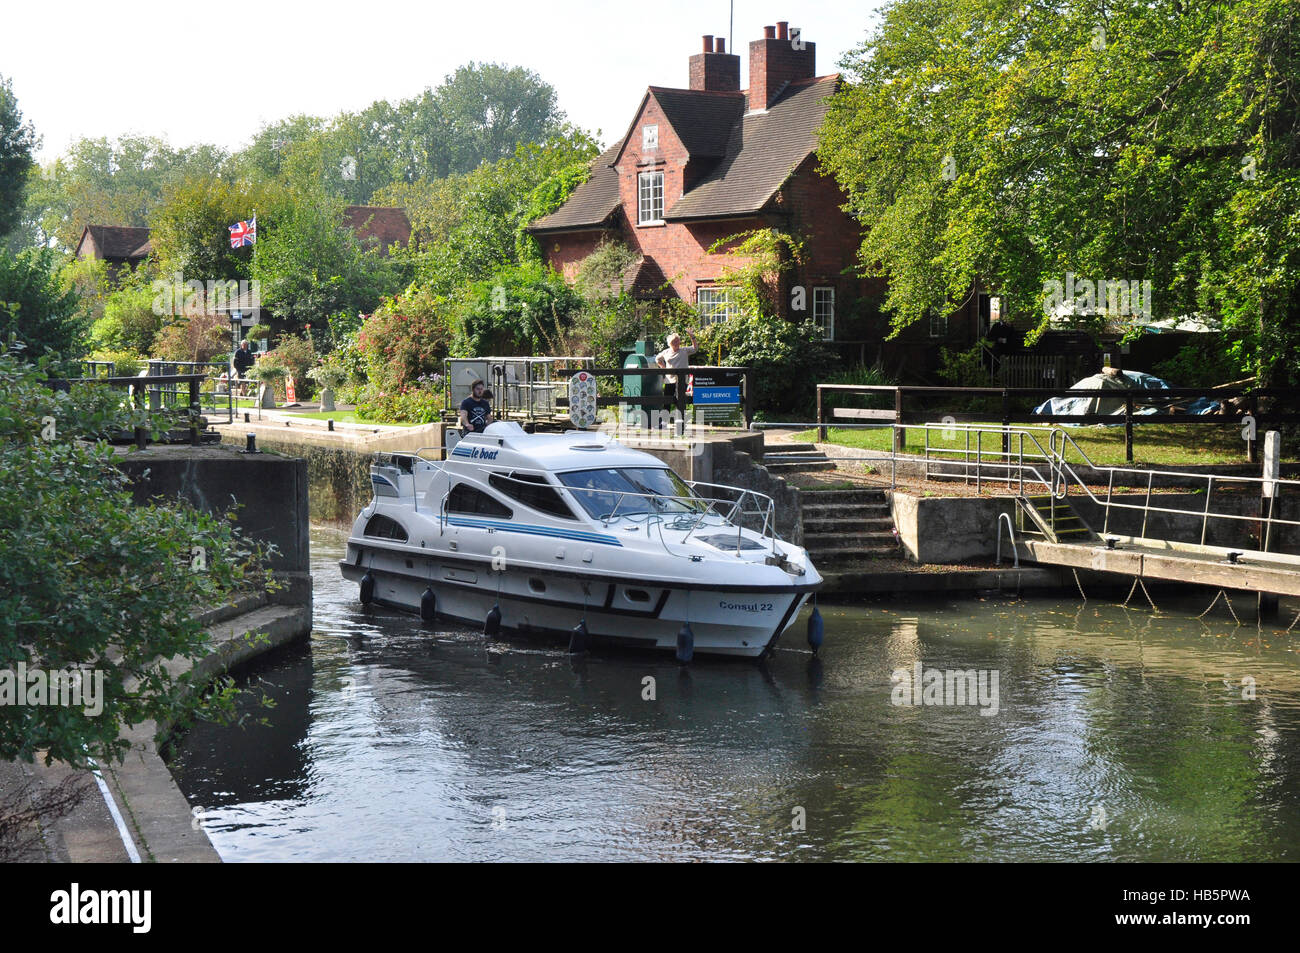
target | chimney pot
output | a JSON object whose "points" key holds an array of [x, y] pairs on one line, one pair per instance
{"points": [[722, 44], [783, 29], [708, 43], [769, 32]]}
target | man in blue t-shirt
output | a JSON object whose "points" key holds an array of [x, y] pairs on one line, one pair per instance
{"points": [[475, 411]]}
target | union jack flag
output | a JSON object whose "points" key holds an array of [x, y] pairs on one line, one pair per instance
{"points": [[243, 233]]}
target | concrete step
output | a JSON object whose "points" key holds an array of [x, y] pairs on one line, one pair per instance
{"points": [[800, 467], [849, 542], [814, 497], [825, 511], [846, 524]]}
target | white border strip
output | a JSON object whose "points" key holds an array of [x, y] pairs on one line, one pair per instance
{"points": [[125, 834]]}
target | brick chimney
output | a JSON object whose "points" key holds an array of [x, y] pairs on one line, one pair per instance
{"points": [[715, 70], [778, 58]]}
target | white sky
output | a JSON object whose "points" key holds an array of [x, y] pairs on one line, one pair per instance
{"points": [[216, 72]]}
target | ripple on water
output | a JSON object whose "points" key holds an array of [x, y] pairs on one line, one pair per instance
{"points": [[1119, 736]]}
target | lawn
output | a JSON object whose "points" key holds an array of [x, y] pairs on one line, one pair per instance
{"points": [[346, 417], [1157, 444]]}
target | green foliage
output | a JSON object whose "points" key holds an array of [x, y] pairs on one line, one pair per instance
{"points": [[757, 259], [467, 226], [130, 319], [418, 403], [121, 182], [297, 355], [88, 579], [329, 375], [522, 309], [311, 265], [190, 229], [983, 142], [1202, 363], [788, 359], [18, 141], [405, 338], [193, 337], [553, 192], [35, 307], [964, 368], [126, 363]]}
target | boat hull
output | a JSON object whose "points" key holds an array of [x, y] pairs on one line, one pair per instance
{"points": [[628, 613]]}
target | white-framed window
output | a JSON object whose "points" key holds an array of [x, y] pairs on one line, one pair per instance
{"points": [[938, 325], [717, 304], [824, 311], [649, 138], [650, 198]]}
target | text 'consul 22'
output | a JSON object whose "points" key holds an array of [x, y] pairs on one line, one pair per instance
{"points": [[577, 536]]}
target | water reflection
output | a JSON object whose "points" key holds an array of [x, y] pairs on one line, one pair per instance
{"points": [[1119, 736]]}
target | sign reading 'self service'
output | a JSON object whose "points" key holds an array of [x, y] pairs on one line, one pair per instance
{"points": [[715, 396], [716, 387]]}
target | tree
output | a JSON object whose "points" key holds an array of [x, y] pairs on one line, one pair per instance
{"points": [[18, 140], [93, 585], [310, 265], [479, 114], [119, 182], [36, 308], [1008, 146]]}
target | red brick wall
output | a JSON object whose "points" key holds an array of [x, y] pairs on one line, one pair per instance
{"points": [[772, 63]]}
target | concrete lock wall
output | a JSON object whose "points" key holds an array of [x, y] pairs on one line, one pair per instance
{"points": [[948, 529], [954, 529], [264, 494]]}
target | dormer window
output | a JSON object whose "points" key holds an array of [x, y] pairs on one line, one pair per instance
{"points": [[649, 138], [650, 198]]}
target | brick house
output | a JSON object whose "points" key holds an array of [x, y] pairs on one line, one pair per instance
{"points": [[700, 164]]}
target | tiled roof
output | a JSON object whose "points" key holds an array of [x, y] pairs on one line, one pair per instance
{"points": [[645, 279], [702, 120], [591, 203], [762, 151], [385, 225], [117, 241]]}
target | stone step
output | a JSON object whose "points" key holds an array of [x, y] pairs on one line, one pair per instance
{"points": [[846, 524], [825, 511], [815, 497], [786, 467], [852, 542]]}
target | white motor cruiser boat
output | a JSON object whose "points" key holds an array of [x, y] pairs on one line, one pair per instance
{"points": [[579, 536]]}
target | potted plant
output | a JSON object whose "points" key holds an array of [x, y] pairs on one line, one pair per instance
{"points": [[266, 374], [330, 377]]}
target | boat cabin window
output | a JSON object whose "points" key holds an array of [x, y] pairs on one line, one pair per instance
{"points": [[626, 490], [466, 499], [533, 491], [381, 527]]}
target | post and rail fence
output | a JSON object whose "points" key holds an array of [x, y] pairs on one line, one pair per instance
{"points": [[1006, 412]]}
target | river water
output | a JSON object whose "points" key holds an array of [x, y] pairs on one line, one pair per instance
{"points": [[1118, 735]]}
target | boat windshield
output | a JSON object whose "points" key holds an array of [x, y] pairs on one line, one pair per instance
{"points": [[610, 490]]}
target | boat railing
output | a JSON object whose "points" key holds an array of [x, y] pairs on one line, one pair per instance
{"points": [[695, 508]]}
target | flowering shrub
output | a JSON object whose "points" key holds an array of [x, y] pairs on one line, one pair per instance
{"points": [[421, 405], [405, 338]]}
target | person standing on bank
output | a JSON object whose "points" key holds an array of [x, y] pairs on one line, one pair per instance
{"points": [[673, 356], [243, 361], [475, 410]]}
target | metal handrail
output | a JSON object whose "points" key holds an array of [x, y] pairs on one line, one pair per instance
{"points": [[1051, 468]]}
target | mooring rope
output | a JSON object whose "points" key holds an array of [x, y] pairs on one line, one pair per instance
{"points": [[1292, 625], [1079, 584], [1137, 581]]}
